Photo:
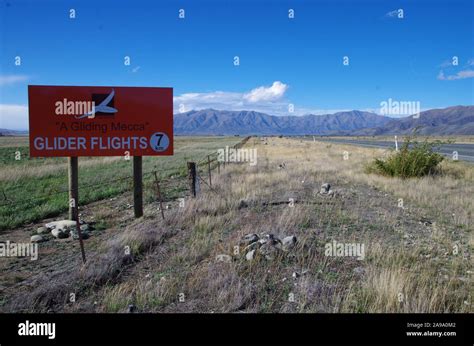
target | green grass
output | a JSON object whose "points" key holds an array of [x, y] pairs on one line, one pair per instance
{"points": [[29, 193]]}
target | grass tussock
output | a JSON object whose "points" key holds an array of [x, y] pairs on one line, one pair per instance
{"points": [[414, 159]]}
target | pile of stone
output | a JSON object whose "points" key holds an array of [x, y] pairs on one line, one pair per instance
{"points": [[60, 230], [267, 246]]}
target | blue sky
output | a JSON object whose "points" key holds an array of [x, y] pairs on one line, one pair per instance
{"points": [[283, 61]]}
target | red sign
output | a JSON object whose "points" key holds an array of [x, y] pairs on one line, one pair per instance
{"points": [[100, 121]]}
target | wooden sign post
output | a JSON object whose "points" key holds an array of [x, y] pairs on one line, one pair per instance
{"points": [[137, 186], [73, 179]]}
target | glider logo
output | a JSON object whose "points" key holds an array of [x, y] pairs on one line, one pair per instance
{"points": [[104, 108]]}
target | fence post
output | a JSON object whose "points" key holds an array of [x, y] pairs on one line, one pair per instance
{"points": [[192, 178], [209, 169], [159, 195], [79, 233], [137, 186], [73, 179]]}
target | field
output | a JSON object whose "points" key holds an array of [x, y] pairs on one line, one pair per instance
{"points": [[456, 139], [416, 235], [33, 189]]}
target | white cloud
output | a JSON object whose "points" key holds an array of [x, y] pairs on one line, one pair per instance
{"points": [[460, 75], [6, 80], [265, 99], [13, 117], [269, 99], [275, 92]]}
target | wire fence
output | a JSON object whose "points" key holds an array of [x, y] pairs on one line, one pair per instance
{"points": [[175, 177]]}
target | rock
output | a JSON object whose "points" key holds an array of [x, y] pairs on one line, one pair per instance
{"points": [[42, 230], [75, 235], [249, 239], [253, 246], [37, 238], [289, 242], [61, 229], [131, 308], [250, 255], [59, 233], [85, 227], [62, 224], [243, 204], [269, 251], [325, 188], [273, 239]]}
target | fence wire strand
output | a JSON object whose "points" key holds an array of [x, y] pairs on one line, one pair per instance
{"points": [[204, 161]]}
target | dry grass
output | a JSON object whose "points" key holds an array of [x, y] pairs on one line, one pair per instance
{"points": [[404, 271], [410, 266]]}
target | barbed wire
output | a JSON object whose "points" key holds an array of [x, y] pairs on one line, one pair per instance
{"points": [[82, 187], [175, 170]]}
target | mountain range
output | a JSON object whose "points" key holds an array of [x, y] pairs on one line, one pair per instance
{"points": [[448, 121], [7, 132], [457, 120]]}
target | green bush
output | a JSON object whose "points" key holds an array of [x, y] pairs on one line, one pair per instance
{"points": [[414, 159]]}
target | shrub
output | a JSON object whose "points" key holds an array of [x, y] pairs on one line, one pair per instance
{"points": [[414, 159]]}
